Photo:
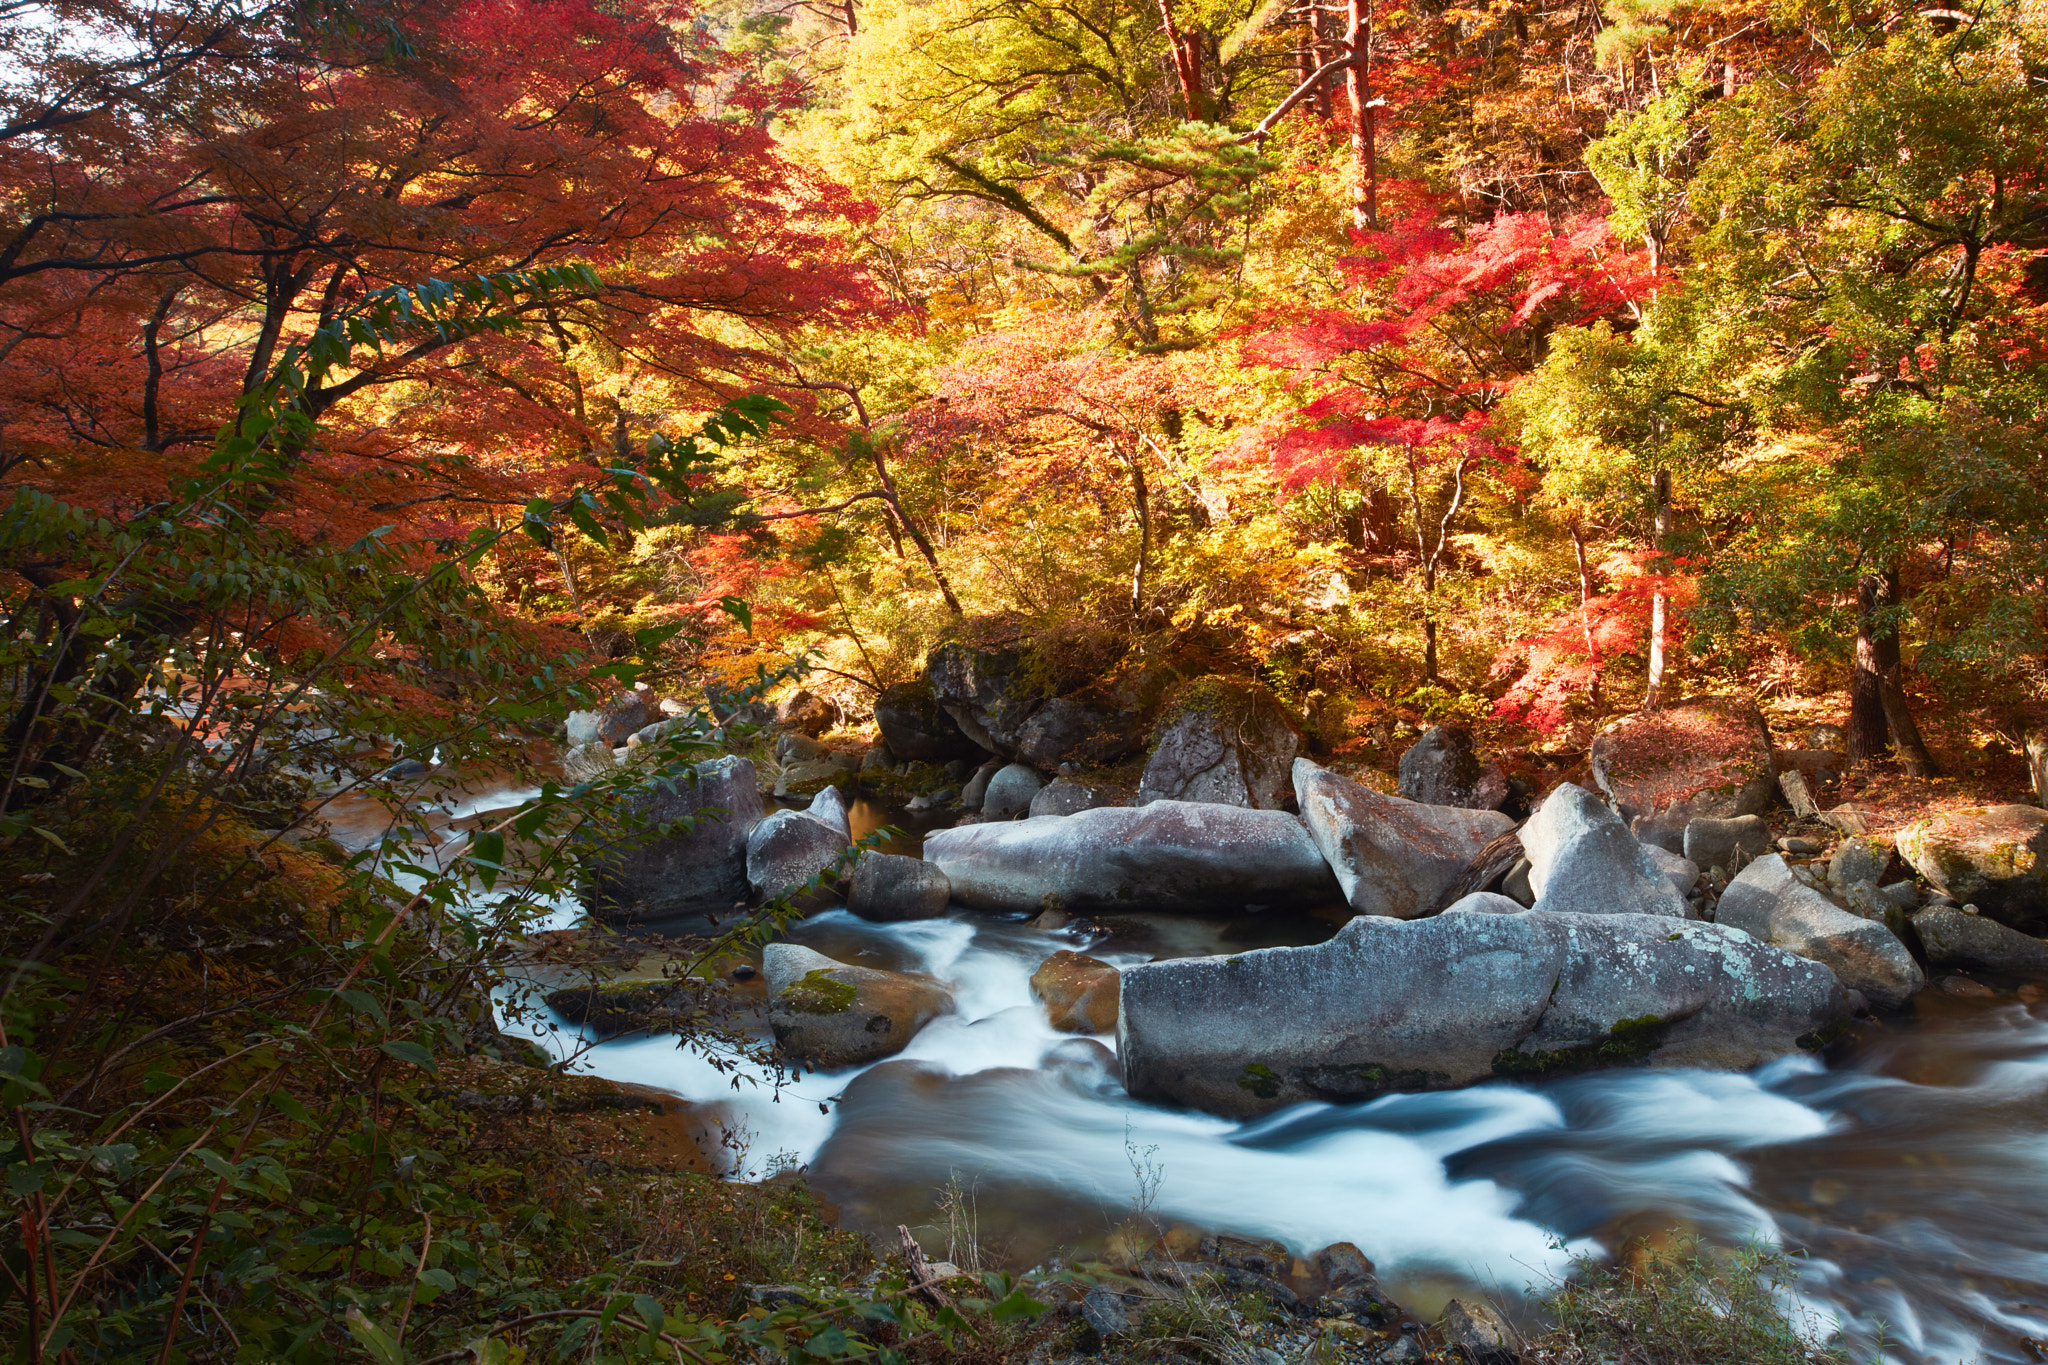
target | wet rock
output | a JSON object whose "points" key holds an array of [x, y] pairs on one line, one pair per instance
{"points": [[702, 869], [1443, 1002], [1683, 872], [788, 849], [806, 713], [1477, 1334], [1954, 939], [1441, 769], [915, 728], [1963, 986], [1079, 992], [1994, 856], [1228, 743], [976, 790], [1010, 792], [1065, 796], [1714, 842], [1904, 895], [607, 1009], [889, 886], [1662, 769], [588, 762], [830, 1014], [1170, 855], [1583, 860], [1341, 1263], [1391, 857], [1768, 901]]}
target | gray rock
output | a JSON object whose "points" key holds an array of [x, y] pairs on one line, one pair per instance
{"points": [[1065, 796], [1403, 1351], [612, 724], [1102, 1308], [1769, 902], [876, 760], [1798, 795], [1954, 939], [976, 790], [1663, 769], [1064, 726], [1727, 844], [889, 886], [1486, 903], [1170, 855], [830, 1014], [1222, 742], [807, 712], [702, 869], [1478, 1334], [1459, 998], [829, 807], [788, 849], [1583, 860], [1904, 895], [588, 762], [988, 692], [915, 727], [582, 728], [1683, 872], [1515, 886], [795, 747], [1441, 769], [1994, 856], [1009, 793], [1391, 857]]}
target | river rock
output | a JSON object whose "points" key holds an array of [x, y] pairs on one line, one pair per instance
{"points": [[890, 886], [699, 870], [1063, 726], [1458, 998], [1726, 844], [806, 713], [1768, 901], [788, 849], [1065, 796], [797, 747], [1079, 992], [1228, 743], [1662, 769], [1583, 860], [1170, 856], [1441, 769], [976, 790], [917, 729], [611, 724], [830, 1014], [987, 690], [588, 762], [1995, 857], [829, 807], [1391, 857], [1955, 939], [1682, 872], [609, 1008], [1478, 1334], [1010, 792]]}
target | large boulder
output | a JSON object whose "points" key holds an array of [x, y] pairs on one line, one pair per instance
{"points": [[806, 713], [1223, 742], [1769, 901], [890, 886], [1065, 796], [1170, 855], [1662, 769], [1079, 992], [829, 1014], [1064, 726], [1726, 844], [1044, 699], [1993, 857], [829, 806], [1955, 939], [1443, 1002], [1583, 860], [1441, 769], [788, 849], [699, 870], [1010, 792], [917, 729], [1391, 857], [988, 691]]}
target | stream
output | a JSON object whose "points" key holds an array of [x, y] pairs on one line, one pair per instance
{"points": [[1908, 1172]]}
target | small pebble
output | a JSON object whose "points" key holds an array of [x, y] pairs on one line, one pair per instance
{"points": [[1963, 986]]}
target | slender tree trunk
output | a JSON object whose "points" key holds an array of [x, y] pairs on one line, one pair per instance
{"points": [[1869, 731], [1320, 51], [568, 576], [1898, 712], [1660, 603], [1183, 63], [1365, 201], [1141, 504], [910, 526], [1586, 621]]}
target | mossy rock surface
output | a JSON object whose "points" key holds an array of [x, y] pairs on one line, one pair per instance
{"points": [[1995, 857]]}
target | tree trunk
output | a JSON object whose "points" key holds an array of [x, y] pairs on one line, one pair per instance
{"points": [[1141, 503], [1365, 203], [1869, 732], [1898, 713], [1183, 63], [916, 532], [1586, 620], [1320, 51], [1660, 604]]}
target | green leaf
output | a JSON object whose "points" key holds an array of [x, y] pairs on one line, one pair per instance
{"points": [[374, 1339], [410, 1052], [1016, 1306], [738, 611], [487, 855]]}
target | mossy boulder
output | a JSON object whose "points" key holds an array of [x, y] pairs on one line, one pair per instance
{"points": [[1225, 742], [830, 1014], [917, 729], [606, 1009], [1710, 757], [1993, 857]]}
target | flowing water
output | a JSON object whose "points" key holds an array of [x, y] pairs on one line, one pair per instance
{"points": [[1909, 1172]]}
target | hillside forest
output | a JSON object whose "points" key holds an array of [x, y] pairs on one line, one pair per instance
{"points": [[381, 382]]}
